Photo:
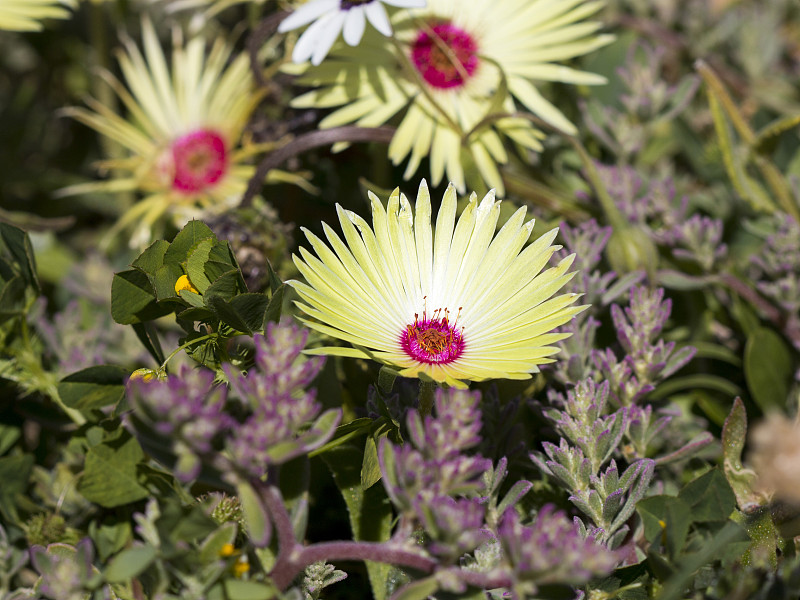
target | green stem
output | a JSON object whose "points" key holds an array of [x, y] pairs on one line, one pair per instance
{"points": [[183, 346]]}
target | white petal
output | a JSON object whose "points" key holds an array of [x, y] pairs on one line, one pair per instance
{"points": [[354, 23], [377, 16], [327, 37], [407, 3], [310, 11]]}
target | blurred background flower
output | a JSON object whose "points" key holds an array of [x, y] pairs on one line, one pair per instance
{"points": [[457, 67], [27, 15], [185, 141], [328, 18]]}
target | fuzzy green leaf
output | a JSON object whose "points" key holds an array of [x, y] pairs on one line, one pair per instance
{"points": [[255, 515], [741, 480], [129, 563]]}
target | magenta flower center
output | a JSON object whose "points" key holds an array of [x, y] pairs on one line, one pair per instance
{"points": [[445, 55], [433, 340], [199, 159]]}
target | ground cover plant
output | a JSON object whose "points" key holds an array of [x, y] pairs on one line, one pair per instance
{"points": [[399, 299]]}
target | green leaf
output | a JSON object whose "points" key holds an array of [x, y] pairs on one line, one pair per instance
{"points": [[370, 469], [727, 537], [665, 518], [129, 563], [741, 480], [236, 589], [225, 313], [274, 281], [760, 526], [255, 515], [8, 437], [93, 387], [226, 286], [275, 306], [19, 245], [244, 312], [187, 238], [694, 381], [344, 433], [251, 308], [196, 264], [110, 537], [152, 258], [133, 299], [677, 280], [110, 475], [767, 369], [14, 474], [194, 300], [215, 269], [148, 335], [12, 296], [164, 281], [710, 497], [211, 548], [370, 511], [417, 590]]}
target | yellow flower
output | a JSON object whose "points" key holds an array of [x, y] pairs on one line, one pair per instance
{"points": [[26, 15], [450, 303], [183, 138], [183, 283], [455, 67]]}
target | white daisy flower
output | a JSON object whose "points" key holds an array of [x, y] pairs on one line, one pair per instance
{"points": [[448, 304], [330, 17]]}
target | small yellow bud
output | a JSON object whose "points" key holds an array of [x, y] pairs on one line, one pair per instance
{"points": [[242, 567], [143, 374], [227, 550]]}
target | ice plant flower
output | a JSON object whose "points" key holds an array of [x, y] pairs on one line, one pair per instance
{"points": [[26, 15], [183, 138], [454, 69], [451, 304], [330, 17]]}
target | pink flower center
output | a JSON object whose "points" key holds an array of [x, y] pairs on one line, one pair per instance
{"points": [[433, 340], [199, 159], [445, 55]]}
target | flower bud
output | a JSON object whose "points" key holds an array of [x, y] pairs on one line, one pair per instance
{"points": [[631, 249]]}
